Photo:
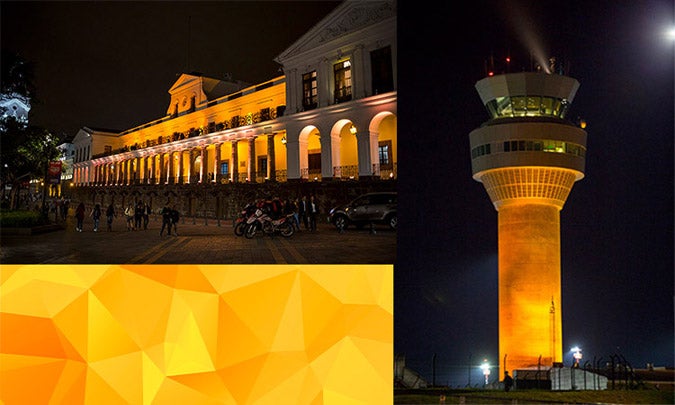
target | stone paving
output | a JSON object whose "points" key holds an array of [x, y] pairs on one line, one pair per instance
{"points": [[198, 242]]}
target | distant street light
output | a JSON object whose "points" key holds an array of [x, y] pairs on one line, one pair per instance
{"points": [[486, 370], [670, 34], [576, 353]]}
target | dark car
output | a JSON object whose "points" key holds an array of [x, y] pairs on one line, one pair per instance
{"points": [[375, 208]]}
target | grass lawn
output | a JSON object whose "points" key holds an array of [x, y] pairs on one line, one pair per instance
{"points": [[643, 396]]}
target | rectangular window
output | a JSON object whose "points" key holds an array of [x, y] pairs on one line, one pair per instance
{"points": [[381, 70], [310, 98], [107, 148], [384, 151], [225, 168], [343, 81]]}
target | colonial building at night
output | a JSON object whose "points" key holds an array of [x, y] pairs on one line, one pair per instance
{"points": [[331, 115]]}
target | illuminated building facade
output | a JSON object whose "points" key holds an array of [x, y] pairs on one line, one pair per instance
{"points": [[330, 116], [528, 156]]}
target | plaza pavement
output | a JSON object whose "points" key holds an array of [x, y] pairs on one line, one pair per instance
{"points": [[199, 241]]}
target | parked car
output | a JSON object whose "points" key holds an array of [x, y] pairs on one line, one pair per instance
{"points": [[375, 208]]}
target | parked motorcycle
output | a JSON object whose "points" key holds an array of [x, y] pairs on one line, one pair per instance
{"points": [[241, 221], [260, 221]]}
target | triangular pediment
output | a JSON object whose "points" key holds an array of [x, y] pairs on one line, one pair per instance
{"points": [[185, 80], [348, 17]]}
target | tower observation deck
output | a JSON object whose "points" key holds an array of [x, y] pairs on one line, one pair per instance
{"points": [[528, 156]]}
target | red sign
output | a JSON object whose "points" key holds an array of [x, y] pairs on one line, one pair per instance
{"points": [[54, 174]]}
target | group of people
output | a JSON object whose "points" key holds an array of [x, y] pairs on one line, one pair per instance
{"points": [[59, 207], [303, 211], [170, 217], [137, 216]]}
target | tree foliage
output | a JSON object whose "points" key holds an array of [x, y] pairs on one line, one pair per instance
{"points": [[25, 150]]}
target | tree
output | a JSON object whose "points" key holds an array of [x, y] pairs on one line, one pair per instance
{"points": [[25, 150]]}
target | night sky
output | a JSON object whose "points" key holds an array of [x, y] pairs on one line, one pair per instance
{"points": [[617, 224], [110, 65]]}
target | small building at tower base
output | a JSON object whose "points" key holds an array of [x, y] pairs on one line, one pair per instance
{"points": [[558, 379]]}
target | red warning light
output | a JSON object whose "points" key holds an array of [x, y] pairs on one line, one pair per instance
{"points": [[491, 74], [508, 59]]}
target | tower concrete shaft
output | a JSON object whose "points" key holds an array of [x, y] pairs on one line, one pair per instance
{"points": [[528, 157]]}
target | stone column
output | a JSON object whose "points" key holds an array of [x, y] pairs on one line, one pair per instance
{"points": [[235, 163], [252, 176], [170, 168], [180, 167], [162, 170], [271, 159], [202, 164], [216, 164], [326, 157], [358, 73], [324, 79], [292, 104], [153, 166], [367, 149]]}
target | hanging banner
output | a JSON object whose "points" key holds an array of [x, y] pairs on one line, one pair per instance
{"points": [[54, 174]]}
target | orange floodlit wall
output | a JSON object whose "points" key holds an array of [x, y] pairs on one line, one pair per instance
{"points": [[530, 322]]}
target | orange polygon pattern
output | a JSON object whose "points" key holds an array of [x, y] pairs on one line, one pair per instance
{"points": [[196, 334]]}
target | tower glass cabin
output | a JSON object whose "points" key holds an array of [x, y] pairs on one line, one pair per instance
{"points": [[528, 157]]}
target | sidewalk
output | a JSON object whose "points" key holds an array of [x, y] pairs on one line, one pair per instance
{"points": [[199, 242]]}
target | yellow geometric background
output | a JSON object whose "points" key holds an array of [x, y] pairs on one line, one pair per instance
{"points": [[196, 334]]}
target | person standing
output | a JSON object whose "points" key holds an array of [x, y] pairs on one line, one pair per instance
{"points": [[138, 215], [313, 211], [291, 212], [175, 216], [109, 214], [96, 216], [79, 216], [508, 381], [146, 215], [129, 216], [166, 219], [303, 211]]}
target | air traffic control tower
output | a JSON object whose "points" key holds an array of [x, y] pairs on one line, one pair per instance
{"points": [[528, 156]]}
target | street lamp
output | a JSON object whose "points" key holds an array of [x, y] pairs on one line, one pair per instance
{"points": [[576, 354], [486, 370]]}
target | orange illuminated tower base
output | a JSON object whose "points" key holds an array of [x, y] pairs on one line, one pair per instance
{"points": [[530, 325]]}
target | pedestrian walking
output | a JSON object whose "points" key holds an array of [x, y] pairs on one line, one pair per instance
{"points": [[109, 215], [129, 216], [313, 209], [79, 216], [166, 219], [138, 215], [175, 216], [146, 215], [96, 216], [291, 211]]}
